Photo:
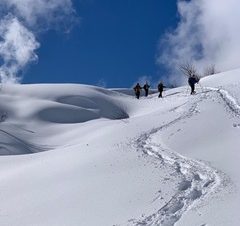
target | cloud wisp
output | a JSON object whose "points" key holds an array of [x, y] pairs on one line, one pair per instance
{"points": [[21, 21], [16, 48], [208, 33]]}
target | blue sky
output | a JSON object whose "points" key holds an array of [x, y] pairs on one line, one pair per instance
{"points": [[114, 44]]}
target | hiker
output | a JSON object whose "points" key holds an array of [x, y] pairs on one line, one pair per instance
{"points": [[146, 88], [192, 80], [160, 89], [137, 90]]}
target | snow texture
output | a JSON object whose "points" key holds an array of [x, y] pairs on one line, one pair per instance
{"points": [[84, 155]]}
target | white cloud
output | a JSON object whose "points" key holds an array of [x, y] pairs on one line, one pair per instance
{"points": [[38, 12], [16, 48], [208, 33], [21, 22]]}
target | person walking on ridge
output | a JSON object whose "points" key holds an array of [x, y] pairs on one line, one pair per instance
{"points": [[160, 89], [137, 90], [146, 89], [192, 80]]}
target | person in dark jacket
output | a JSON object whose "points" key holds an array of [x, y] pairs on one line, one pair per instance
{"points": [[192, 80], [160, 89], [146, 88], [137, 90]]}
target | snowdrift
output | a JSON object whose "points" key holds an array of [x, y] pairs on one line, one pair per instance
{"points": [[31, 106], [83, 155]]}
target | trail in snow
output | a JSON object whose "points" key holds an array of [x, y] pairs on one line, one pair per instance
{"points": [[228, 99], [198, 178]]}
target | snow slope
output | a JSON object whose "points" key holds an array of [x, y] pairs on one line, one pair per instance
{"points": [[83, 155]]}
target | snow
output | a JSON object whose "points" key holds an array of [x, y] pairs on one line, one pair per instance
{"points": [[83, 155]]}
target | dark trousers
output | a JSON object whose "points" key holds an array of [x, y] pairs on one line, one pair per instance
{"points": [[160, 94], [146, 92], [192, 89], [137, 94]]}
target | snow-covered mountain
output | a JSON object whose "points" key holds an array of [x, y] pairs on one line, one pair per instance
{"points": [[85, 156]]}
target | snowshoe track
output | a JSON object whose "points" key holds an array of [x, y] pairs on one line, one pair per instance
{"points": [[198, 179], [228, 100]]}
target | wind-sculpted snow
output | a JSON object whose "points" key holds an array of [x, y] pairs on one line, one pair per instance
{"points": [[26, 105], [13, 145], [94, 156], [101, 107], [78, 109]]}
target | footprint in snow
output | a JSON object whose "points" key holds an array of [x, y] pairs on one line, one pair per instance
{"points": [[236, 125]]}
